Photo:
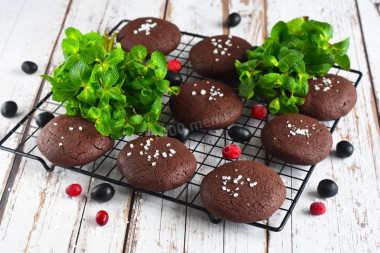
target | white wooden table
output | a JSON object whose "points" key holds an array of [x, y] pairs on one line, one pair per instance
{"points": [[35, 214]]}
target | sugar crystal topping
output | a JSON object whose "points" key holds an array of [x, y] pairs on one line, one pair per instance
{"points": [[223, 46], [325, 85], [146, 27], [233, 187]]}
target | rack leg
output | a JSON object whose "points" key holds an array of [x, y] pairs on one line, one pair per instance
{"points": [[213, 219], [51, 169]]}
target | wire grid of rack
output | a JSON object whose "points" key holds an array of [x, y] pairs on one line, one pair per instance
{"points": [[206, 145]]}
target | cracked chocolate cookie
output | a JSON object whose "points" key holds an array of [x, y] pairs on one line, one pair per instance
{"points": [[330, 97], [156, 163], [242, 191], [206, 104], [72, 141], [153, 33], [297, 139], [215, 56]]}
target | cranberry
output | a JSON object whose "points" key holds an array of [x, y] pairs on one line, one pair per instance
{"points": [[73, 190], [259, 111], [174, 65], [102, 218], [231, 152], [317, 208]]}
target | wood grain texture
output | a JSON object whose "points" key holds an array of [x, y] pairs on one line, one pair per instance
{"points": [[370, 19], [20, 18]]}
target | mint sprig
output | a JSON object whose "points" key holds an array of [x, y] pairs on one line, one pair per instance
{"points": [[119, 91], [279, 69]]}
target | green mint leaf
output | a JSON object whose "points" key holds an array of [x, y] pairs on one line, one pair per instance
{"points": [[113, 58], [73, 33], [341, 47], [173, 90], [295, 25], [290, 56], [290, 84], [258, 53], [109, 77], [156, 128], [286, 107], [319, 28], [304, 85], [70, 46], [274, 106], [343, 61], [280, 31], [158, 63], [139, 52], [48, 78], [140, 128], [146, 96], [246, 85], [88, 56], [163, 85], [100, 52], [94, 112], [156, 106], [61, 95], [270, 61], [135, 119], [88, 96], [80, 73], [72, 107], [270, 80], [128, 129], [94, 37]]}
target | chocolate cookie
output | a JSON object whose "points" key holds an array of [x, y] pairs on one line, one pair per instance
{"points": [[156, 163], [215, 56], [329, 98], [297, 139], [242, 191], [203, 104], [72, 141], [153, 33]]}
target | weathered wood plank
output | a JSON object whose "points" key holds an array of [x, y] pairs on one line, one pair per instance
{"points": [[370, 19], [23, 39], [348, 225]]}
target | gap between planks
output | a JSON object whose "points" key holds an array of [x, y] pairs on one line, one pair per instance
{"points": [[17, 159]]}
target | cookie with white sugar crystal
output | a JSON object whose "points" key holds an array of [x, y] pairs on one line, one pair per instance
{"points": [[72, 141], [330, 97], [242, 191], [156, 163], [297, 139], [206, 104], [153, 33], [215, 56]]}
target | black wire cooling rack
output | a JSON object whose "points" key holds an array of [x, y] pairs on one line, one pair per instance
{"points": [[207, 146]]}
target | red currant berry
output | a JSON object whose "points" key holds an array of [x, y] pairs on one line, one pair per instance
{"points": [[259, 111], [174, 65], [101, 218], [73, 190], [231, 152], [317, 208]]}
